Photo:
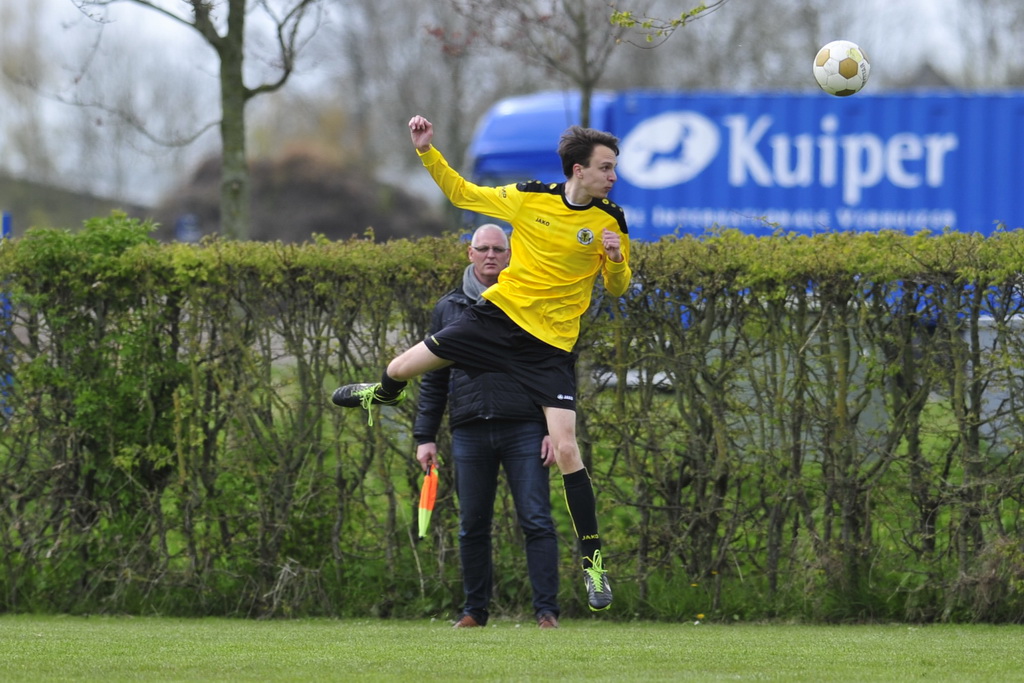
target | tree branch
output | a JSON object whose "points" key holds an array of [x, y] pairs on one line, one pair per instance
{"points": [[657, 30], [287, 31]]}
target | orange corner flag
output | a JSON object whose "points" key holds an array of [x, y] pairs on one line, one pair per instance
{"points": [[428, 495]]}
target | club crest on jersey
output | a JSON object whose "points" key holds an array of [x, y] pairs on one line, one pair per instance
{"points": [[585, 236]]}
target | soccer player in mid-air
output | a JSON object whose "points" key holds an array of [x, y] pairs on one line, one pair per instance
{"points": [[563, 236]]}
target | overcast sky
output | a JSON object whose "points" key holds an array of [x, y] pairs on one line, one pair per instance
{"points": [[896, 34]]}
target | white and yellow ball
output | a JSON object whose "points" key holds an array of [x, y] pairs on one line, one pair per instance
{"points": [[841, 68]]}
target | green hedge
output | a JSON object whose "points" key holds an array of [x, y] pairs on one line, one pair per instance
{"points": [[821, 428]]}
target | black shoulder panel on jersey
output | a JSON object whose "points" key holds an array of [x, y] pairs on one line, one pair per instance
{"points": [[538, 186], [615, 211]]}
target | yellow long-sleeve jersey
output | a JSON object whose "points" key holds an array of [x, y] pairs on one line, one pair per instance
{"points": [[557, 251]]}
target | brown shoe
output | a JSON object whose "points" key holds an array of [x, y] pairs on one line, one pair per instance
{"points": [[466, 621], [547, 620]]}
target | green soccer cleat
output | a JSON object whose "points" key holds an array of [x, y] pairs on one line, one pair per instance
{"points": [[595, 577], [363, 396]]}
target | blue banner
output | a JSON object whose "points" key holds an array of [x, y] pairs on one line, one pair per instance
{"points": [[806, 163], [818, 163]]}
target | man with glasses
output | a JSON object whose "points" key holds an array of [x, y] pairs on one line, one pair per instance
{"points": [[493, 423], [563, 236]]}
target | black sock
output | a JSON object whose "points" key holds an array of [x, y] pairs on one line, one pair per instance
{"points": [[390, 388], [579, 498]]}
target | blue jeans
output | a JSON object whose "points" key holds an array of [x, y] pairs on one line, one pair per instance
{"points": [[478, 448]]}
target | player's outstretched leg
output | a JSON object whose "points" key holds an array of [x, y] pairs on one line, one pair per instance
{"points": [[387, 392], [364, 396]]}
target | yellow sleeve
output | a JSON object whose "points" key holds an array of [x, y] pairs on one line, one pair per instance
{"points": [[497, 202], [618, 275]]}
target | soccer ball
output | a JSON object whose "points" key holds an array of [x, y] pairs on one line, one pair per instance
{"points": [[841, 68]]}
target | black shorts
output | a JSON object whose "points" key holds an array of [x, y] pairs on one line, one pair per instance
{"points": [[484, 339]]}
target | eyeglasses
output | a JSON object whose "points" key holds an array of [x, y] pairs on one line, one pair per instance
{"points": [[484, 250]]}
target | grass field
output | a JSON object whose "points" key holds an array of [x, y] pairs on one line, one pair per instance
{"points": [[160, 649]]}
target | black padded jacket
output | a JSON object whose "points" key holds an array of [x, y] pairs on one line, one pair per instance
{"points": [[488, 396]]}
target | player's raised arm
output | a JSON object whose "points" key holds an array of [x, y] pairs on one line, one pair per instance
{"points": [[422, 133]]}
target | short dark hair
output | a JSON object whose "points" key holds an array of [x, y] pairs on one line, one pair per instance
{"points": [[577, 146]]}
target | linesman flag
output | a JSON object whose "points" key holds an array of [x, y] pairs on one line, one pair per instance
{"points": [[428, 494]]}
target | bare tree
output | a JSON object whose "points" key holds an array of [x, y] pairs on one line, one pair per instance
{"points": [[748, 46], [223, 25], [381, 61], [573, 38], [989, 32], [22, 123]]}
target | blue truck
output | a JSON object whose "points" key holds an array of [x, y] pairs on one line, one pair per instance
{"points": [[694, 162]]}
